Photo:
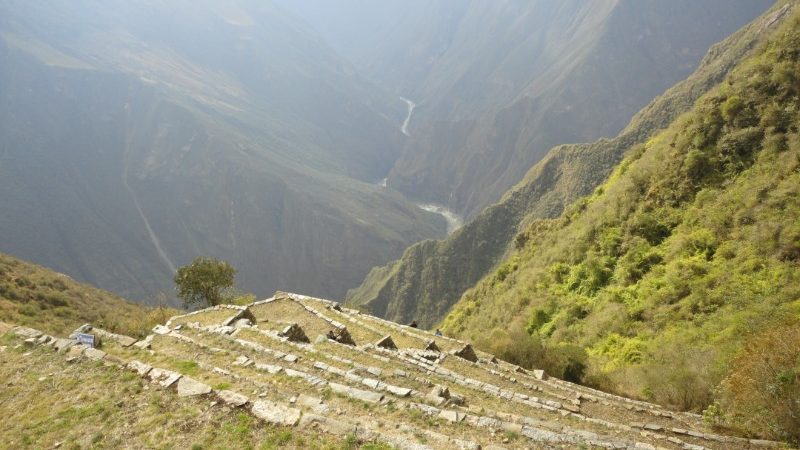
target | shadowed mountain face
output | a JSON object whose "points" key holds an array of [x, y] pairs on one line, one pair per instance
{"points": [[499, 83], [135, 136]]}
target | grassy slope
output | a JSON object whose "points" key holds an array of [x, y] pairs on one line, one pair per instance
{"points": [[100, 406], [690, 247], [431, 276], [55, 303]]}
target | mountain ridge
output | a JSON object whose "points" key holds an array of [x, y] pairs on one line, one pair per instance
{"points": [[432, 275]]}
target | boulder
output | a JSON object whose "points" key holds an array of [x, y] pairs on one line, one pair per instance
{"points": [[539, 375], [189, 387]]}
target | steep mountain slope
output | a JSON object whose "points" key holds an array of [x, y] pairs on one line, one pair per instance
{"points": [[692, 246], [134, 137], [570, 71], [55, 303], [499, 83], [432, 275]]}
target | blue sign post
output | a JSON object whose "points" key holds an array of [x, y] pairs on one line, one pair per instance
{"points": [[86, 339]]}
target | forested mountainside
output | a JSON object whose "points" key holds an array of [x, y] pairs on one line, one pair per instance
{"points": [[499, 83], [136, 136], [432, 275], [55, 303], [688, 255]]}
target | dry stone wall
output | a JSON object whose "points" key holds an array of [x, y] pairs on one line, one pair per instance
{"points": [[401, 389]]}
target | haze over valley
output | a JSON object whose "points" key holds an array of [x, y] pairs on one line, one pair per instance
{"points": [[400, 224], [137, 136]]}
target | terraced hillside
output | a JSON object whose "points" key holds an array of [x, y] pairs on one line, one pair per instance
{"points": [[320, 374]]}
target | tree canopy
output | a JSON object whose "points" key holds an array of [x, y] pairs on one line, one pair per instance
{"points": [[203, 281]]}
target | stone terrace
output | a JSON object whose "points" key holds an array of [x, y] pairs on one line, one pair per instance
{"points": [[379, 380]]}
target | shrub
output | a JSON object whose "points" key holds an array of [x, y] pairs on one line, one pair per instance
{"points": [[761, 394], [204, 281]]}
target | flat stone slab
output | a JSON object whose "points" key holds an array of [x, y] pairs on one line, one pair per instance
{"points": [[189, 387], [161, 329], [398, 391], [451, 416], [76, 350], [165, 378], [272, 369], [125, 341], [233, 399], [275, 413], [94, 354], [139, 367], [26, 332], [61, 345], [144, 344], [327, 425], [358, 394]]}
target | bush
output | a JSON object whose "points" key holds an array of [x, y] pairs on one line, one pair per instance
{"points": [[761, 394]]}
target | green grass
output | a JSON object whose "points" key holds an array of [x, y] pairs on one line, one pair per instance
{"points": [[54, 303], [186, 367], [95, 406]]}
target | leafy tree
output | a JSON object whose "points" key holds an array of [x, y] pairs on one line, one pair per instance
{"points": [[203, 281]]}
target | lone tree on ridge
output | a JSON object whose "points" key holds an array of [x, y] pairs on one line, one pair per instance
{"points": [[203, 281]]}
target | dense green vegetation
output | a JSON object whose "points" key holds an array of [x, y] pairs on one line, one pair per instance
{"points": [[691, 249], [55, 303], [431, 276]]}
